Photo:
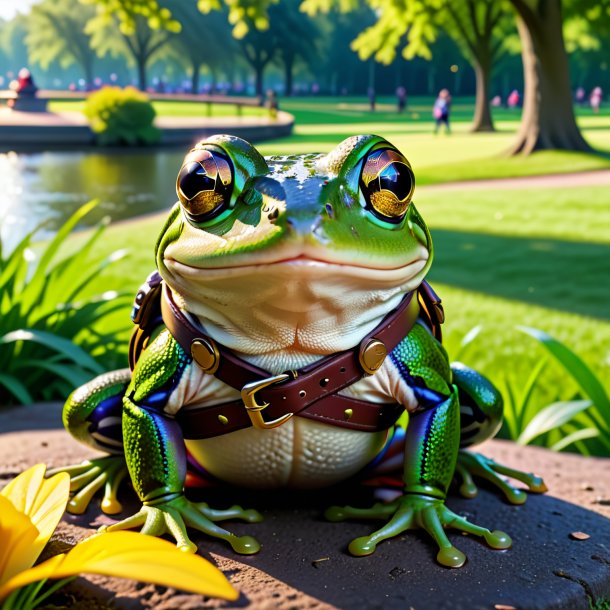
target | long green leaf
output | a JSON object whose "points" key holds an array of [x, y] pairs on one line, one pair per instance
{"points": [[94, 272], [73, 374], [16, 388], [581, 373], [579, 435], [523, 409], [551, 417], [35, 284], [58, 344]]}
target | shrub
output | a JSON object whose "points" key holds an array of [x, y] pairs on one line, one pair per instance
{"points": [[121, 116], [48, 336]]}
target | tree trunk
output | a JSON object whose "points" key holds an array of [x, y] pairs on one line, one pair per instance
{"points": [[482, 110], [548, 120], [259, 70], [195, 77], [288, 78], [141, 65]]}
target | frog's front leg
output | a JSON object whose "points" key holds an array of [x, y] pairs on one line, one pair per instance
{"points": [[430, 457], [481, 408], [156, 456], [431, 449], [92, 414]]}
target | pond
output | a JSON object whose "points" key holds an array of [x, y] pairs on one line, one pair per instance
{"points": [[49, 186]]}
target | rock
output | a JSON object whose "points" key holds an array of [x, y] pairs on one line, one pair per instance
{"points": [[304, 564]]}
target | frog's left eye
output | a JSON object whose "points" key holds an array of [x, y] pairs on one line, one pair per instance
{"points": [[205, 184], [387, 183]]}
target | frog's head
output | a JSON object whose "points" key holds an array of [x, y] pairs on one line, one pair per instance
{"points": [[289, 232]]}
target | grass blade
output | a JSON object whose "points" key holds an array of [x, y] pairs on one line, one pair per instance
{"points": [[581, 373], [553, 416], [579, 435], [55, 343], [16, 388]]}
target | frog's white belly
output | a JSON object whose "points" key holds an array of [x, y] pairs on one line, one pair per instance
{"points": [[301, 453]]}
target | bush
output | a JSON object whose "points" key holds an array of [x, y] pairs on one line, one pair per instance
{"points": [[121, 116], [49, 337]]}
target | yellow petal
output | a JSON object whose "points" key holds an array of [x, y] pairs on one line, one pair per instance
{"points": [[135, 556], [17, 535], [42, 500]]}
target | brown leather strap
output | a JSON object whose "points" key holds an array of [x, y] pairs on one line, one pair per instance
{"points": [[310, 392]]}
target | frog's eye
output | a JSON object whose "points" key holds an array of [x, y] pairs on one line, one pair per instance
{"points": [[387, 183], [205, 184]]}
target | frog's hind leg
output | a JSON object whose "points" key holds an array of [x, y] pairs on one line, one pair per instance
{"points": [[92, 414], [480, 419]]}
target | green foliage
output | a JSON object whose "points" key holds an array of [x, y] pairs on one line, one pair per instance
{"points": [[583, 422], [56, 33], [49, 341], [128, 11], [121, 116]]}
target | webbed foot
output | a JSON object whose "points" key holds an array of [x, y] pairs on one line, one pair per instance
{"points": [[173, 515], [87, 478], [469, 464], [412, 511]]}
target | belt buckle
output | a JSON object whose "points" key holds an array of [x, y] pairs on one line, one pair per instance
{"points": [[248, 395]]}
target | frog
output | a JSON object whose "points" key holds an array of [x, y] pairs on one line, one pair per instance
{"points": [[289, 340]]}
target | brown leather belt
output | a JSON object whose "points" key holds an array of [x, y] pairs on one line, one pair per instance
{"points": [[310, 392]]}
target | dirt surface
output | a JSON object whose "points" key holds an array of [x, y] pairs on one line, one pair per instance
{"points": [[567, 180], [304, 564]]}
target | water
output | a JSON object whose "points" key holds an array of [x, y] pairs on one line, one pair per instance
{"points": [[49, 186]]}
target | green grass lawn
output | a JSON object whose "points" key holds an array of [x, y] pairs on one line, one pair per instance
{"points": [[538, 258], [321, 123], [535, 257]]}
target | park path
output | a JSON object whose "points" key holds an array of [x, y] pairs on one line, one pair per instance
{"points": [[567, 180]]}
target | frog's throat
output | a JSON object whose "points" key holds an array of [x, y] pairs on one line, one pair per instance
{"points": [[301, 306]]}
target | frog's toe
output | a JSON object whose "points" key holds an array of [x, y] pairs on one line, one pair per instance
{"points": [[498, 540], [88, 478], [380, 510], [486, 468], [361, 547], [244, 545], [451, 557], [495, 539], [235, 512]]}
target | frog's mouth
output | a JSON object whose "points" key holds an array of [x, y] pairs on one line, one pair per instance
{"points": [[302, 265]]}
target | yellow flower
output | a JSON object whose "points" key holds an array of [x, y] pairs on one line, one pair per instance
{"points": [[30, 509]]}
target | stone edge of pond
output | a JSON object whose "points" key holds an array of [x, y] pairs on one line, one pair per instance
{"points": [[36, 132]]}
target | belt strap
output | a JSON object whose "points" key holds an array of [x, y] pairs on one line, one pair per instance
{"points": [[310, 392]]}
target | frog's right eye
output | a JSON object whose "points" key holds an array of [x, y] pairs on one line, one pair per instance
{"points": [[205, 184]]}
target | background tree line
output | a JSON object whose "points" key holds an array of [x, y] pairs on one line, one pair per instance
{"points": [[317, 40], [67, 41]]}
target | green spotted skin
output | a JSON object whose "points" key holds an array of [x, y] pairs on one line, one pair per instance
{"points": [[431, 449], [83, 402], [154, 449], [434, 434], [419, 355]]}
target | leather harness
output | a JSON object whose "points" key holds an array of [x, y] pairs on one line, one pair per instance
{"points": [[268, 401]]}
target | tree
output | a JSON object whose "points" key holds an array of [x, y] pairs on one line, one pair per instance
{"points": [[548, 116], [477, 26], [259, 48], [56, 33], [13, 43], [203, 40], [134, 38], [548, 120], [295, 36]]}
